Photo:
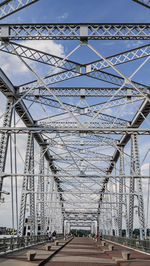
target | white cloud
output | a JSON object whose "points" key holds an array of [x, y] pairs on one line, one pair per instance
{"points": [[145, 168], [63, 16], [13, 67], [133, 44], [46, 46]]}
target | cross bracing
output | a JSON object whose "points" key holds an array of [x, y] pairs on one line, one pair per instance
{"points": [[91, 31], [78, 170], [8, 7]]}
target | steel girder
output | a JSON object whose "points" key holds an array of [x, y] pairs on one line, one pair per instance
{"points": [[138, 119], [81, 92], [4, 140], [65, 176], [85, 125], [8, 7], [49, 59], [40, 57], [145, 3], [98, 130], [9, 91], [137, 169], [28, 184], [41, 194], [83, 32], [122, 172]]}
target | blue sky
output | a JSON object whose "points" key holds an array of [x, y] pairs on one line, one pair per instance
{"points": [[82, 11]]}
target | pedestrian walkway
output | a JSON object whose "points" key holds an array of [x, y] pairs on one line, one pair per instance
{"points": [[87, 252], [80, 251], [19, 258]]}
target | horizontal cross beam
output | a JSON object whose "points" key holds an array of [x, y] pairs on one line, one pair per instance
{"points": [[4, 175], [73, 31], [82, 92], [118, 131]]}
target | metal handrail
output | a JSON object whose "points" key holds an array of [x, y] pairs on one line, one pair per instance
{"points": [[143, 245], [16, 243]]}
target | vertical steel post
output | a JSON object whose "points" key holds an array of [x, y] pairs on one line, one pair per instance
{"points": [[41, 189], [126, 208], [139, 189], [132, 188], [32, 189], [4, 140], [28, 184], [121, 191], [135, 170]]}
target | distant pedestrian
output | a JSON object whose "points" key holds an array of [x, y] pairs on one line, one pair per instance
{"points": [[54, 235], [49, 235]]}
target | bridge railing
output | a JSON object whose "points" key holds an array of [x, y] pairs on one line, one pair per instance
{"points": [[143, 245], [15, 243]]}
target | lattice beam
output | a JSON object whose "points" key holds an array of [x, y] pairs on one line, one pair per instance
{"points": [[8, 7], [99, 31]]}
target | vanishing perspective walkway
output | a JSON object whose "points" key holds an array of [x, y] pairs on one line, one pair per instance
{"points": [[80, 251]]}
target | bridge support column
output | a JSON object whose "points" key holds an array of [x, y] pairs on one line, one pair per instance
{"points": [[122, 172], [41, 195], [4, 140], [28, 186], [135, 169]]}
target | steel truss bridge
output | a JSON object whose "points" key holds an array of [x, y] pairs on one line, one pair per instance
{"points": [[74, 149]]}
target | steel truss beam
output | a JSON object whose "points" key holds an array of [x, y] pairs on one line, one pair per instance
{"points": [[28, 184], [108, 119], [121, 58], [4, 175], [40, 57], [91, 31], [84, 32], [145, 3], [81, 92], [138, 119], [85, 111], [104, 141], [9, 91], [86, 125], [137, 169], [122, 172], [88, 158], [41, 193], [99, 75], [118, 131], [8, 7], [4, 139], [36, 55]]}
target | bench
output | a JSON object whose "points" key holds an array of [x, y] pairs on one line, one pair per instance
{"points": [[30, 255], [125, 254], [103, 243], [110, 247], [48, 247], [56, 243]]}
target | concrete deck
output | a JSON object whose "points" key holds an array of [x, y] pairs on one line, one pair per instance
{"points": [[19, 258], [86, 252], [79, 252]]}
